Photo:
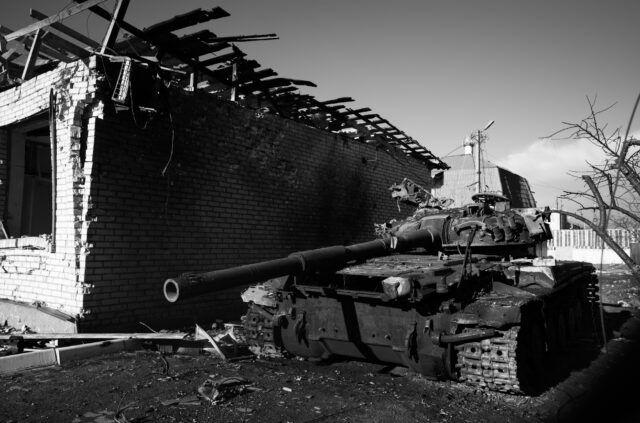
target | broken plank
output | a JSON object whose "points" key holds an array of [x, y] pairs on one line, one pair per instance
{"points": [[302, 82], [358, 111], [224, 74], [192, 45], [33, 55], [369, 116], [279, 91], [26, 361], [140, 34], [263, 85], [63, 14], [66, 30], [224, 58], [44, 50], [250, 77], [78, 352], [338, 100], [240, 38], [207, 36], [88, 336], [114, 25], [194, 17]]}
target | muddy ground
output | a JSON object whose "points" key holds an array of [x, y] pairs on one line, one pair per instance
{"points": [[147, 386]]}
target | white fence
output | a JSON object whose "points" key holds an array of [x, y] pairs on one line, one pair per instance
{"points": [[586, 238], [586, 245]]}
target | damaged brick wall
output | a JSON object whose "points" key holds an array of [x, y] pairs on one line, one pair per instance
{"points": [[207, 184], [4, 156], [37, 271]]}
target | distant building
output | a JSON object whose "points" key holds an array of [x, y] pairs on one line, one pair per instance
{"points": [[460, 181]]}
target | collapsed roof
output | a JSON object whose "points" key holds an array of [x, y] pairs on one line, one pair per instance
{"points": [[198, 61]]}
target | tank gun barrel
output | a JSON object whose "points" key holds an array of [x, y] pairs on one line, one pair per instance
{"points": [[310, 261]]}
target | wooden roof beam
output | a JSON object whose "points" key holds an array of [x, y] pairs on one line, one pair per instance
{"points": [[209, 37], [252, 76], [224, 58], [66, 30], [381, 131], [205, 41], [363, 110], [224, 74], [338, 100], [260, 85], [150, 39], [27, 41], [284, 90], [33, 54], [68, 11], [194, 17], [114, 25]]}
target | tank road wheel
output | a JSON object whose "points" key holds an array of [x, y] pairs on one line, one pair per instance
{"points": [[260, 333], [490, 363]]}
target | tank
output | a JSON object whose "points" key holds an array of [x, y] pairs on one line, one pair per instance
{"points": [[464, 294]]}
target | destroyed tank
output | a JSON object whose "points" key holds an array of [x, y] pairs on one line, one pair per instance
{"points": [[458, 294]]}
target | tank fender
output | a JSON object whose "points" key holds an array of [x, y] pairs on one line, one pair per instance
{"points": [[498, 314], [525, 276]]}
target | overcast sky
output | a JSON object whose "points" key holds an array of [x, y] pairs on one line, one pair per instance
{"points": [[439, 69]]}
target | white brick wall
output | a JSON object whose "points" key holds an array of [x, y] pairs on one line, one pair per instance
{"points": [[54, 279]]}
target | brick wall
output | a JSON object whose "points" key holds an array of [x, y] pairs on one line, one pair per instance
{"points": [[238, 187], [4, 171], [205, 184], [49, 274]]}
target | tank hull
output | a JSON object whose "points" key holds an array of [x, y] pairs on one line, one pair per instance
{"points": [[502, 338]]}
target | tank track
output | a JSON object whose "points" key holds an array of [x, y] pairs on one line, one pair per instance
{"points": [[258, 328], [491, 363]]}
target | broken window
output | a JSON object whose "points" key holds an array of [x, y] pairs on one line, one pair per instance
{"points": [[29, 194]]}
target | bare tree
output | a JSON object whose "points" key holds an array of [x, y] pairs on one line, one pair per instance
{"points": [[612, 185]]}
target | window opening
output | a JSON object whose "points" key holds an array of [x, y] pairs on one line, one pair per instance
{"points": [[29, 210]]}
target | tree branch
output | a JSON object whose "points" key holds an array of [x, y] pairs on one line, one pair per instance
{"points": [[599, 201]]}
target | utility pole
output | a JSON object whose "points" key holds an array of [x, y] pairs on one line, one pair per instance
{"points": [[478, 162], [480, 137]]}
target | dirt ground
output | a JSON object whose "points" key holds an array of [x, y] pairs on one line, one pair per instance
{"points": [[288, 391], [146, 386]]}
